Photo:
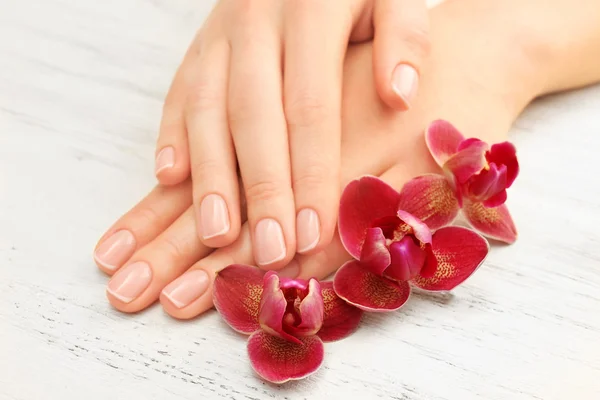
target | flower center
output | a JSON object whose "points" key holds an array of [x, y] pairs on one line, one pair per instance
{"points": [[394, 229]]}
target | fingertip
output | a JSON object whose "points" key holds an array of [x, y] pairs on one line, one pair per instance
{"points": [[189, 295], [171, 166], [272, 248], [218, 225]]}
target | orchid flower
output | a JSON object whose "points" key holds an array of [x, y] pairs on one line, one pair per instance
{"points": [[287, 319], [480, 175], [397, 238]]}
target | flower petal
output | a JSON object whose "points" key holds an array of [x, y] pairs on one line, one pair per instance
{"points": [[236, 296], [469, 160], [487, 184], [442, 139], [420, 230], [311, 310], [407, 259], [340, 318], [505, 153], [279, 361], [360, 287], [272, 308], [495, 223], [375, 254], [364, 201], [431, 199], [459, 252]]}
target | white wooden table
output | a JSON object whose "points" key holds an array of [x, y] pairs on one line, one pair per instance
{"points": [[81, 86]]}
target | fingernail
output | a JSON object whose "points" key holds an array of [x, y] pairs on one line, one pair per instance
{"points": [[165, 159], [308, 230], [291, 270], [214, 217], [115, 250], [269, 242], [187, 288], [405, 82], [130, 282]]}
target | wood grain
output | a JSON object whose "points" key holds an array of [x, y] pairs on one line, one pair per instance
{"points": [[81, 89]]}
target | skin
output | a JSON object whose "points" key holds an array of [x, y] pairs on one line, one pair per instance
{"points": [[480, 88], [225, 110]]}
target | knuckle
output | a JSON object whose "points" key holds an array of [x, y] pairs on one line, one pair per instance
{"points": [[145, 217], [263, 190], [206, 169], [314, 177], [203, 96], [417, 40], [307, 109], [174, 247]]}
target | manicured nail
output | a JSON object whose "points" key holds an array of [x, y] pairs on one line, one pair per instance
{"points": [[214, 217], [187, 288], [165, 159], [292, 270], [405, 82], [308, 230], [115, 250], [127, 284], [269, 242]]}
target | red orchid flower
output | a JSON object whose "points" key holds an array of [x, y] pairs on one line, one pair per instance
{"points": [[287, 319], [480, 175], [390, 236]]}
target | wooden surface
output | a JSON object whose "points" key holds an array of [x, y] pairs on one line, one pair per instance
{"points": [[81, 87]]}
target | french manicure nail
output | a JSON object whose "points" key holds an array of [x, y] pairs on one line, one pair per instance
{"points": [[269, 242], [165, 159], [405, 82], [214, 217], [115, 250], [187, 288], [308, 230], [127, 284]]}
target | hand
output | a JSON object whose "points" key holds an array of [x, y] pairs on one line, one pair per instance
{"points": [[225, 108], [375, 141]]}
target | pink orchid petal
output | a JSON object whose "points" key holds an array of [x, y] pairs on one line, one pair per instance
{"points": [[375, 253], [236, 296], [420, 230], [364, 201], [431, 263], [494, 223], [488, 183], [431, 199], [459, 252], [273, 305], [442, 140], [505, 153], [311, 310], [360, 287], [340, 318], [496, 200], [278, 361], [468, 161], [407, 259]]}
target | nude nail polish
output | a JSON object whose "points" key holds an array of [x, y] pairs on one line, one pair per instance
{"points": [[308, 230], [405, 82], [187, 288], [214, 217], [164, 159], [131, 281], [115, 250], [269, 243]]}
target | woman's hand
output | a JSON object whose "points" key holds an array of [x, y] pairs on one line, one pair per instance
{"points": [[260, 90]]}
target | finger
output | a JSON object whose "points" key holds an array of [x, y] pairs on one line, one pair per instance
{"points": [[400, 46], [259, 133], [172, 158], [312, 93], [138, 284], [141, 224], [213, 159]]}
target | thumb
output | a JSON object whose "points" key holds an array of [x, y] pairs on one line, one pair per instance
{"points": [[401, 44]]}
